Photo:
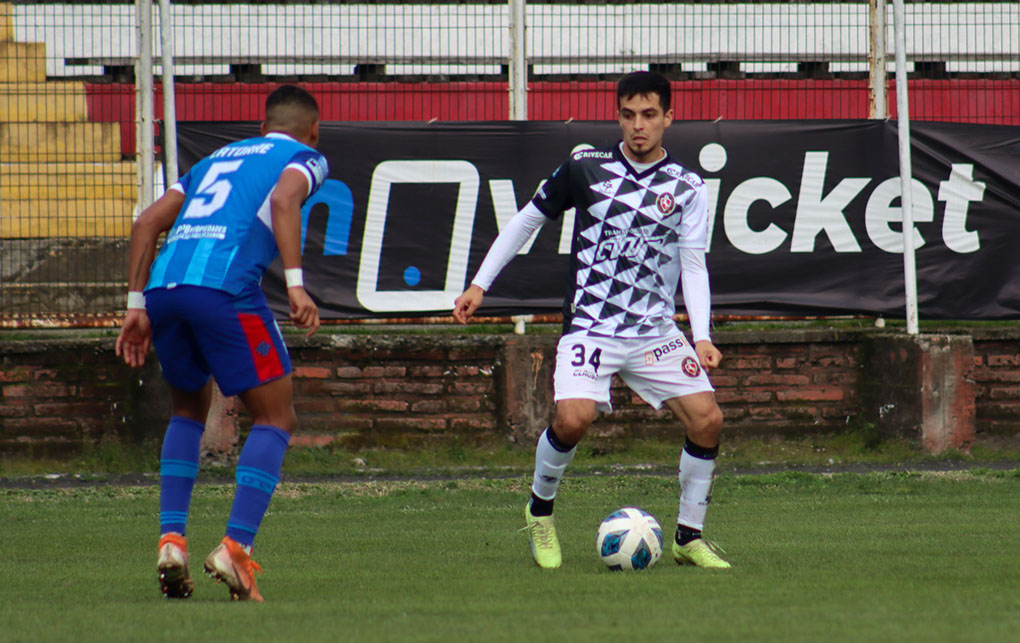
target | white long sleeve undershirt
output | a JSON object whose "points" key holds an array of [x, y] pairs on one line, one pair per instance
{"points": [[697, 297], [511, 239]]}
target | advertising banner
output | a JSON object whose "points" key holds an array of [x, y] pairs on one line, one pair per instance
{"points": [[805, 216]]}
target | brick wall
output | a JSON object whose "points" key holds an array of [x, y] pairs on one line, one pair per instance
{"points": [[395, 391], [997, 381], [769, 382], [59, 391]]}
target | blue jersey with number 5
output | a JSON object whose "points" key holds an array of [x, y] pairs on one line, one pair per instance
{"points": [[223, 236]]}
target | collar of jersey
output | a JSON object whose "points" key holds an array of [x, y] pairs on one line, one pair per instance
{"points": [[623, 157], [281, 135]]}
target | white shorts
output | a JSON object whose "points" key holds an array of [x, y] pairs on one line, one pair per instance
{"points": [[657, 369]]}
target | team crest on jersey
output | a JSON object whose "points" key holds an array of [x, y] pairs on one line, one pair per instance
{"points": [[666, 203], [690, 367]]}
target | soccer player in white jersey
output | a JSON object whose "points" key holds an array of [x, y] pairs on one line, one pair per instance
{"points": [[204, 311], [640, 229]]}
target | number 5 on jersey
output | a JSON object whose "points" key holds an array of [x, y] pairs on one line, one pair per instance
{"points": [[213, 191]]}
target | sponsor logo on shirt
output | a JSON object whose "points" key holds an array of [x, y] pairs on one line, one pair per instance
{"points": [[622, 244], [592, 154], [186, 231], [605, 188], [692, 180]]}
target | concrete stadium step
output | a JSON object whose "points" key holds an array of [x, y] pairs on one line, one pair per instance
{"points": [[82, 298], [35, 218], [60, 142], [43, 102], [86, 274], [22, 62], [68, 180], [56, 261], [6, 21]]}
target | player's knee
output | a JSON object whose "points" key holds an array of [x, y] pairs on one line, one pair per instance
{"points": [[285, 419], [290, 422], [570, 429], [714, 420], [706, 427]]}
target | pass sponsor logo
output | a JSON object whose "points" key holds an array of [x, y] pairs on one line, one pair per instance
{"points": [[661, 351]]}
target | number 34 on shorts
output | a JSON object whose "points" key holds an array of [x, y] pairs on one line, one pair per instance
{"points": [[656, 368]]}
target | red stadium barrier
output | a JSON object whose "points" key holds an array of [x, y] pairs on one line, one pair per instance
{"points": [[987, 101]]}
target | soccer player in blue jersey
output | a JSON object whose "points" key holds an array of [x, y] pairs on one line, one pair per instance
{"points": [[201, 305], [641, 230]]}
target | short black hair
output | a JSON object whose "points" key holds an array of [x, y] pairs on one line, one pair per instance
{"points": [[640, 83], [291, 95]]}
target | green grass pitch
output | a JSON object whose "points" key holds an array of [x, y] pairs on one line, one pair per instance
{"points": [[846, 557]]}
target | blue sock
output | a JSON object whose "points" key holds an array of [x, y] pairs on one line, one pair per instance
{"points": [[178, 468], [258, 472]]}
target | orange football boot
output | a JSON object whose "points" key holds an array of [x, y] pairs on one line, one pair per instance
{"points": [[174, 579], [230, 564]]}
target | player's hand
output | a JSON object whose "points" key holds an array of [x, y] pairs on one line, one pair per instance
{"points": [[135, 338], [708, 354], [303, 311], [467, 303]]}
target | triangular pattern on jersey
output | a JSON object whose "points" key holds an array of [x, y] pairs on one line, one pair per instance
{"points": [[595, 278], [628, 234], [636, 299]]}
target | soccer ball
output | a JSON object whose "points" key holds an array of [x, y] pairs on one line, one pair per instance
{"points": [[629, 538]]}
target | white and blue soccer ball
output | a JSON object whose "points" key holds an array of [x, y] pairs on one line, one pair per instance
{"points": [[629, 538]]}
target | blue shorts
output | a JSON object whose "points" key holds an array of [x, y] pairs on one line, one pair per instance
{"points": [[198, 332]]}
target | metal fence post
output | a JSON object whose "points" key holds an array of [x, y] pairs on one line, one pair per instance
{"points": [[143, 102], [906, 186], [877, 61], [518, 72], [166, 39]]}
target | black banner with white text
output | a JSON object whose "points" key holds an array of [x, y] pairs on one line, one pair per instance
{"points": [[805, 216]]}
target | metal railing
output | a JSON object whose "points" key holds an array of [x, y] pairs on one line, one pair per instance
{"points": [[69, 161]]}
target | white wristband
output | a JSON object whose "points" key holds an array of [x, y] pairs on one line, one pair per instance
{"points": [[136, 299], [294, 277]]}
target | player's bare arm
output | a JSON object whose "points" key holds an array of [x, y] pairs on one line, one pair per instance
{"points": [[468, 302], [285, 207], [135, 337]]}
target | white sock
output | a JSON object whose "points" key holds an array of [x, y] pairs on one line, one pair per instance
{"points": [[696, 477], [550, 463]]}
